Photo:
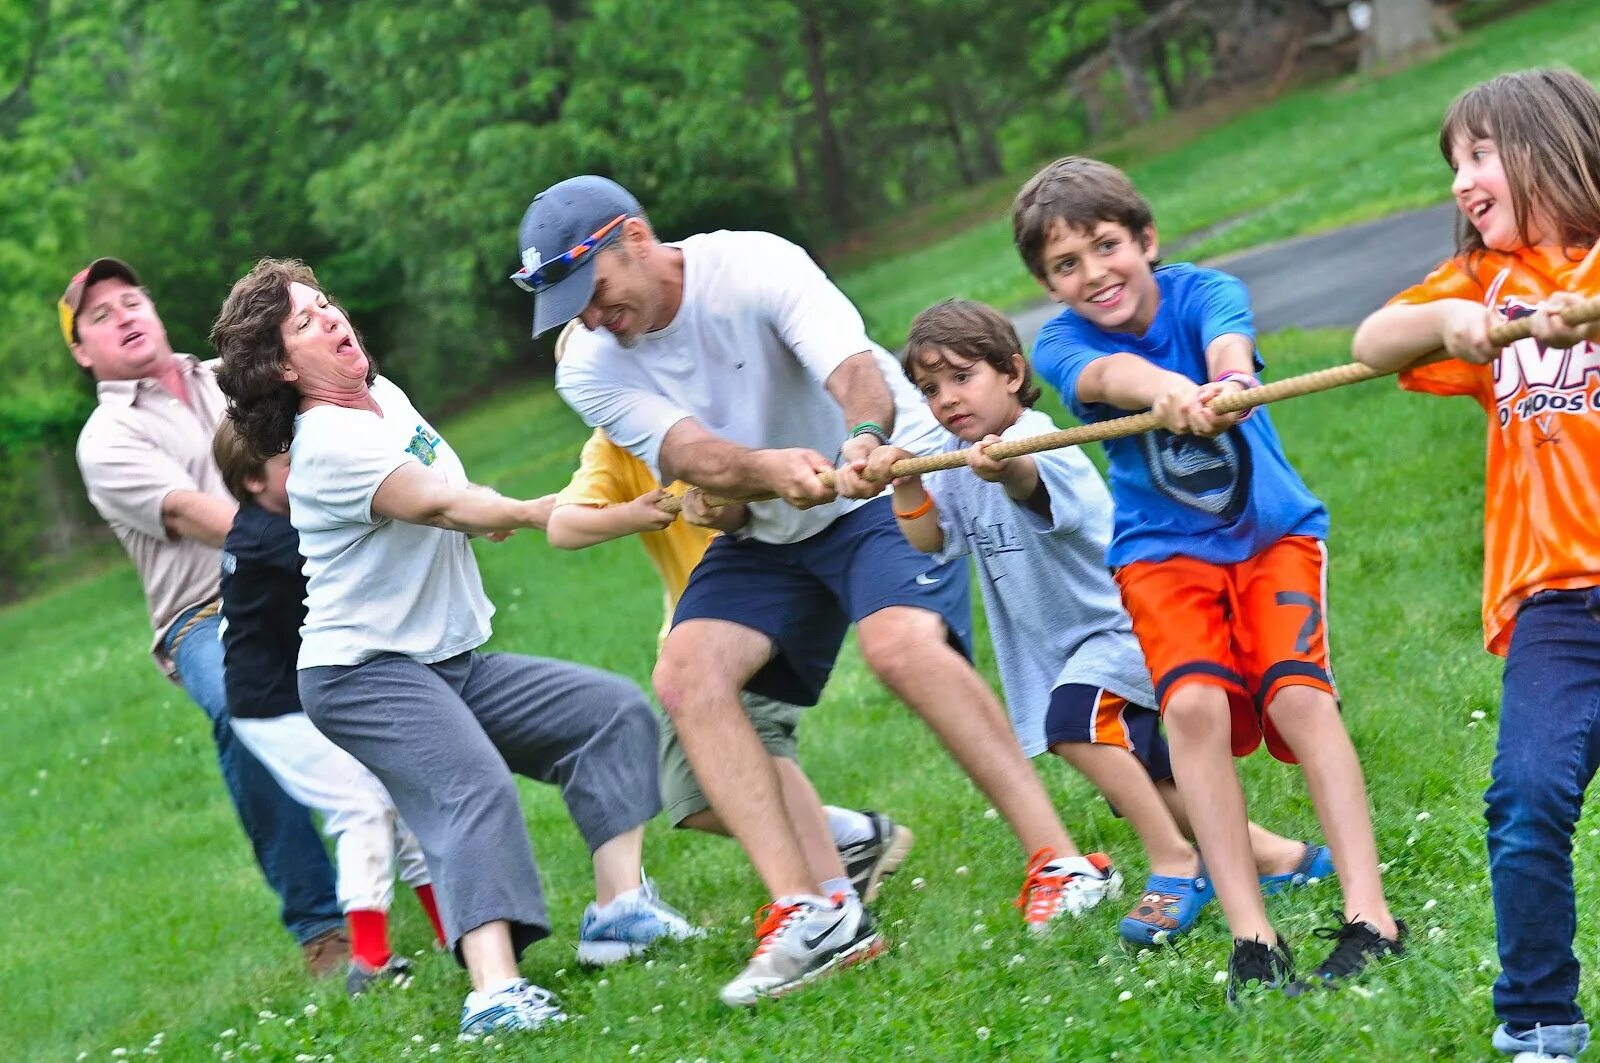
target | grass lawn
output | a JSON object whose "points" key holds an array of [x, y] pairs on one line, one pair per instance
{"points": [[1315, 159], [136, 920]]}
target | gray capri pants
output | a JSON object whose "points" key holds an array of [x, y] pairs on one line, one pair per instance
{"points": [[445, 738]]}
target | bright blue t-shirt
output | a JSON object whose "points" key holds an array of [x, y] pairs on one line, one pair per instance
{"points": [[1223, 499]]}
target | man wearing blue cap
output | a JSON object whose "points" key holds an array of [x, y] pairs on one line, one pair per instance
{"points": [[730, 361]]}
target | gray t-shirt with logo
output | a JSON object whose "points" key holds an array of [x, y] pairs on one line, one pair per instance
{"points": [[1055, 614]]}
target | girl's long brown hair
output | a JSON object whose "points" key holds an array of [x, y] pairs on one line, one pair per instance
{"points": [[1546, 127]]}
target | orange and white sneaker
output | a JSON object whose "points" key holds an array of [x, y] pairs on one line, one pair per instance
{"points": [[800, 940], [1069, 886]]}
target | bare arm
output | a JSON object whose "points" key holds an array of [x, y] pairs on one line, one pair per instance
{"points": [[694, 455], [923, 530], [418, 495], [1397, 336], [1127, 382], [857, 385], [195, 515], [576, 527]]}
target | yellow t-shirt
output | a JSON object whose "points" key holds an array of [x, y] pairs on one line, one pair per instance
{"points": [[609, 475]]}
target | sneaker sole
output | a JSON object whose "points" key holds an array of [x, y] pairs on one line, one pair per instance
{"points": [[857, 954], [894, 854], [605, 953]]}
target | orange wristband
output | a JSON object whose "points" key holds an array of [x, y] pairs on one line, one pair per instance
{"points": [[920, 511]]}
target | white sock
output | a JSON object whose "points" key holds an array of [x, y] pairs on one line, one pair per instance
{"points": [[838, 885], [847, 826]]}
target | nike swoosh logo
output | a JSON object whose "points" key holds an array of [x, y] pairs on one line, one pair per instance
{"points": [[924, 581], [813, 942]]}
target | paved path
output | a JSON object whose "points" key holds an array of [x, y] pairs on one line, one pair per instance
{"points": [[1331, 279]]}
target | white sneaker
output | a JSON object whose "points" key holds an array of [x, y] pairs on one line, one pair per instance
{"points": [[802, 939], [519, 1005], [1539, 1057], [1069, 886], [628, 926]]}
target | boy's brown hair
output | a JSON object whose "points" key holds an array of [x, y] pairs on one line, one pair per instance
{"points": [[1078, 193], [973, 332], [1546, 126], [237, 461]]}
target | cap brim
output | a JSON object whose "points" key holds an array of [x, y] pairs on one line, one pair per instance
{"points": [[562, 302]]}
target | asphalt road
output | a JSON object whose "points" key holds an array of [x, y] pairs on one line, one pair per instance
{"points": [[1328, 280]]}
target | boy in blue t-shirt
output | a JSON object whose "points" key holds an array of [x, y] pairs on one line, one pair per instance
{"points": [[1217, 546]]}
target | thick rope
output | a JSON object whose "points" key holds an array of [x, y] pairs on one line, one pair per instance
{"points": [[1501, 335]]}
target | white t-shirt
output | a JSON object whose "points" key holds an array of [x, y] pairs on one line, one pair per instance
{"points": [[378, 585], [747, 356], [1055, 615]]}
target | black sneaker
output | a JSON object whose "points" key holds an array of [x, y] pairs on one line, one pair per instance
{"points": [[362, 978], [868, 863], [1268, 966], [1355, 944]]}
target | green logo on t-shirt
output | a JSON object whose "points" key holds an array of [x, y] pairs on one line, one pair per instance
{"points": [[423, 445]]}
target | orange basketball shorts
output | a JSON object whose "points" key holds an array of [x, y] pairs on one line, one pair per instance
{"points": [[1251, 628]]}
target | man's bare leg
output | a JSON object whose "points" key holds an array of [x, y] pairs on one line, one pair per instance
{"points": [[821, 854], [905, 646], [703, 666]]}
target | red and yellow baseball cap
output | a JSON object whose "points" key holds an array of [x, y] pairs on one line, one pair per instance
{"points": [[72, 298]]}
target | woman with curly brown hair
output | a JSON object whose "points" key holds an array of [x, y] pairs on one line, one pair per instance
{"points": [[390, 667]]}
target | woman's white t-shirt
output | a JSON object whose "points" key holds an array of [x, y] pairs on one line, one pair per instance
{"points": [[378, 585]]}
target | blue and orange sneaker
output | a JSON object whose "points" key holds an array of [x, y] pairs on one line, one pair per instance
{"points": [[1167, 908], [1316, 863]]}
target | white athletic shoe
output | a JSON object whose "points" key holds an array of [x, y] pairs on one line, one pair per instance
{"points": [[518, 1006], [1539, 1057], [802, 939], [627, 927], [1070, 886]]}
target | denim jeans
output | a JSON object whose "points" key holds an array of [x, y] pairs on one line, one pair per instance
{"points": [[286, 844], [1548, 750]]}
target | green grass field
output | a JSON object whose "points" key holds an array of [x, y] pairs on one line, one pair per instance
{"points": [[137, 926], [135, 919], [1315, 159]]}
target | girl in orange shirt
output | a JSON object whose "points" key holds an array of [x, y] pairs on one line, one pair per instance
{"points": [[1525, 150]]}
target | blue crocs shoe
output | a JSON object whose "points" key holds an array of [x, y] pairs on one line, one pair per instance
{"points": [[1167, 908], [1316, 863]]}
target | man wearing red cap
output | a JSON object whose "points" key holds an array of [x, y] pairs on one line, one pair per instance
{"points": [[145, 456]]}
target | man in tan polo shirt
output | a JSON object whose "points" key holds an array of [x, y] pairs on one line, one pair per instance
{"points": [[145, 456]]}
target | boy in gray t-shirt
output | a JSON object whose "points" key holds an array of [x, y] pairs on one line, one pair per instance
{"points": [[1037, 527]]}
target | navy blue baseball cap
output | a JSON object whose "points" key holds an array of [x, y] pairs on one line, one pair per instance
{"points": [[557, 224]]}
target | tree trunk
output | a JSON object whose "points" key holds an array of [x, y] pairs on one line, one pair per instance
{"points": [[830, 156], [952, 128], [1133, 76], [1399, 28], [1160, 58]]}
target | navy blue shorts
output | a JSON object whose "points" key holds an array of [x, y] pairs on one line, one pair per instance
{"points": [[1082, 713], [805, 595]]}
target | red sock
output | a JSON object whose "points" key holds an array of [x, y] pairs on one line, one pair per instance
{"points": [[369, 936], [431, 906]]}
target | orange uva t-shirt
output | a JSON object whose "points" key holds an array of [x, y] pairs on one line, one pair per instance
{"points": [[1542, 497]]}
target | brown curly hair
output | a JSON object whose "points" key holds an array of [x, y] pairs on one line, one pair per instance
{"points": [[247, 337]]}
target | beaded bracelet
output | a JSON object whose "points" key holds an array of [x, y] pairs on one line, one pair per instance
{"points": [[871, 428]]}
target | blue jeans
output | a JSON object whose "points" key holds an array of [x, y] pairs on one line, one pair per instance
{"points": [[1548, 750], [286, 844]]}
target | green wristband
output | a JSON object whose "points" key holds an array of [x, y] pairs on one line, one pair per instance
{"points": [[870, 428]]}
